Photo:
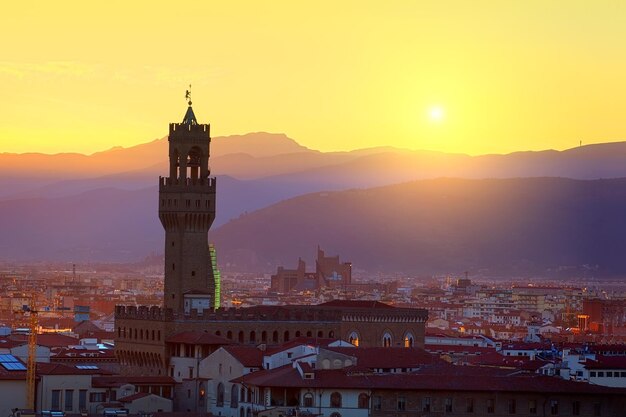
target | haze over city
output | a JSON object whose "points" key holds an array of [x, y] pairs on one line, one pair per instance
{"points": [[280, 209]]}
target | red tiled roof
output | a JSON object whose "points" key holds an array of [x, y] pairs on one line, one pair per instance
{"points": [[61, 369], [55, 340], [119, 380], [249, 356], [6, 343], [298, 341], [458, 349], [387, 357], [198, 338], [437, 378], [607, 362], [355, 304]]}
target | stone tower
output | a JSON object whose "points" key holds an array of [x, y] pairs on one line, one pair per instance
{"points": [[187, 210]]}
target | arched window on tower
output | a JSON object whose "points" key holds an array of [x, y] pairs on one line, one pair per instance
{"points": [[194, 160], [408, 340], [387, 340], [354, 338]]}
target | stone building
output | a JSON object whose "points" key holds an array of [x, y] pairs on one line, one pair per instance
{"points": [[191, 295], [329, 272], [142, 331]]}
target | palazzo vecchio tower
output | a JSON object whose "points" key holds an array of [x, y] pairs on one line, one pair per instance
{"points": [[186, 211]]}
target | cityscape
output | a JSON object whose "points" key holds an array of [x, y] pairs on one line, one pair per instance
{"points": [[219, 273]]}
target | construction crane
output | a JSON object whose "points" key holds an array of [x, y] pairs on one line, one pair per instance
{"points": [[31, 364]]}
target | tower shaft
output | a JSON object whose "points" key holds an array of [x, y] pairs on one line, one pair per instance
{"points": [[186, 211]]}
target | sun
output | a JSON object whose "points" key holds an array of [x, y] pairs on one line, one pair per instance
{"points": [[436, 113]]}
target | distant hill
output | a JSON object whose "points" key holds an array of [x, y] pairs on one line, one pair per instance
{"points": [[58, 201], [512, 227]]}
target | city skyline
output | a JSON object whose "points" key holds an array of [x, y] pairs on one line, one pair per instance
{"points": [[454, 78]]}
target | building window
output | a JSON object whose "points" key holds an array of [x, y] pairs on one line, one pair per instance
{"points": [[82, 399], [426, 404], [354, 339], [491, 406], [191, 372], [554, 407], [56, 399], [401, 403], [597, 409], [234, 396], [512, 406], [220, 395], [408, 340], [335, 400], [94, 397], [576, 408], [592, 374], [469, 405], [532, 406], [286, 336], [377, 403], [448, 405], [307, 400], [364, 400], [387, 340], [69, 400]]}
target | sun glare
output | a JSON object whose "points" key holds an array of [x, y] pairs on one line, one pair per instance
{"points": [[436, 114]]}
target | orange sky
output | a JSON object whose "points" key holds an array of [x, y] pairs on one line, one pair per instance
{"points": [[505, 76]]}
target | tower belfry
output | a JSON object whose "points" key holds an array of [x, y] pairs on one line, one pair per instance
{"points": [[186, 211]]}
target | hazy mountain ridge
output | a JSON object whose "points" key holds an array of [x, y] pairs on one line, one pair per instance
{"points": [[255, 170], [513, 226]]}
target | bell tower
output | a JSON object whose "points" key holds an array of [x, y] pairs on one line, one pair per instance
{"points": [[186, 211]]}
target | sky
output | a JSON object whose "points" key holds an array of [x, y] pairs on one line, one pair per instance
{"points": [[456, 76]]}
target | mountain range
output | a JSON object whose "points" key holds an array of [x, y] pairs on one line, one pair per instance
{"points": [[102, 207]]}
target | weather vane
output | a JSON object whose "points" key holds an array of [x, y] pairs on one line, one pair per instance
{"points": [[188, 95]]}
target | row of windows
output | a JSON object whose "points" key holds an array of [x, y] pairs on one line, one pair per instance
{"points": [[469, 406], [68, 399], [138, 334], [174, 202], [607, 374]]}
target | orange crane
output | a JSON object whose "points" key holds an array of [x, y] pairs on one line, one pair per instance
{"points": [[31, 365]]}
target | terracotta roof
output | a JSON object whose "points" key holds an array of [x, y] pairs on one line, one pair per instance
{"points": [[248, 356], [198, 338], [607, 362], [458, 349], [119, 380], [387, 357], [6, 343], [55, 340], [298, 341], [62, 369], [355, 304], [436, 378]]}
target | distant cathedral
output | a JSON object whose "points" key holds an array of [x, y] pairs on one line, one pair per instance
{"points": [[187, 210]]}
